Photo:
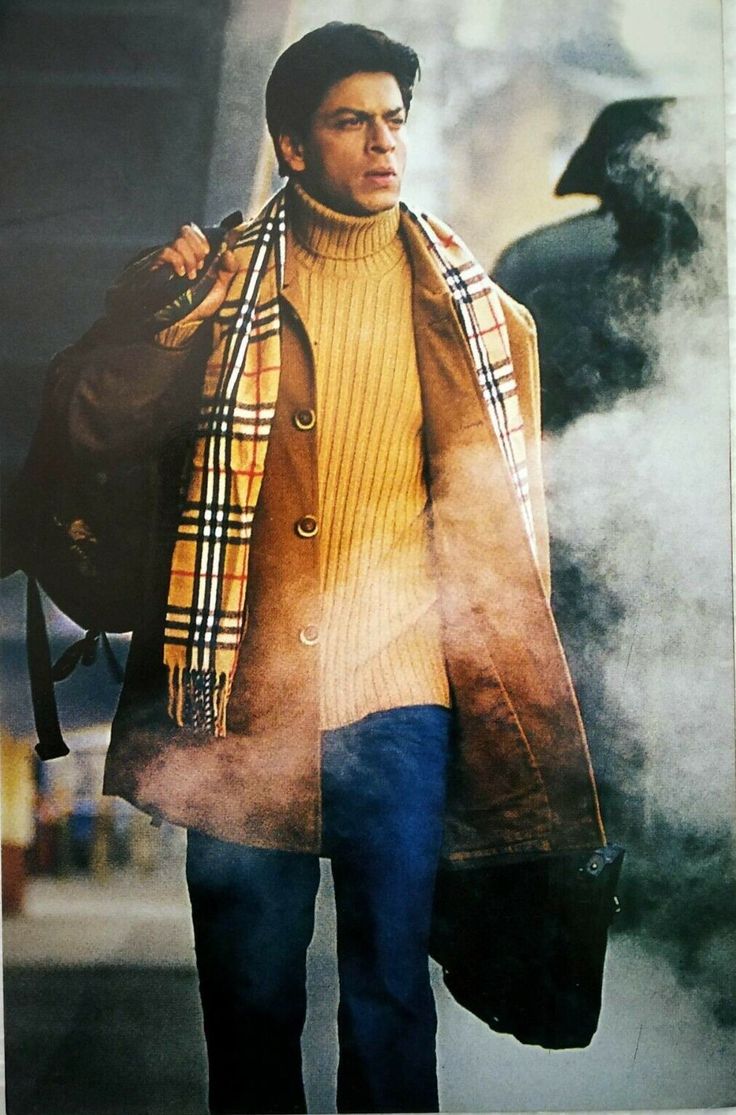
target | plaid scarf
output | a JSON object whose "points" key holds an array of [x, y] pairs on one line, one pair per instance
{"points": [[205, 620]]}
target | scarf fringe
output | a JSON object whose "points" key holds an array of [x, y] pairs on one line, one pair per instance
{"points": [[198, 700]]}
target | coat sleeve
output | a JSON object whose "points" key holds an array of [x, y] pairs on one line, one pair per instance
{"points": [[118, 394], [524, 353]]}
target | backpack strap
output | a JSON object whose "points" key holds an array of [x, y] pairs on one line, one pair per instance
{"points": [[51, 743], [43, 675]]}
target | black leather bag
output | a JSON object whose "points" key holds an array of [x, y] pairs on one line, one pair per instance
{"points": [[80, 532], [82, 535], [522, 943]]}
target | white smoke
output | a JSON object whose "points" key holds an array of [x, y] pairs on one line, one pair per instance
{"points": [[642, 492], [640, 497]]}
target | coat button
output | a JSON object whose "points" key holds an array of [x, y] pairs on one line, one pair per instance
{"points": [[309, 635], [307, 526], [304, 419]]}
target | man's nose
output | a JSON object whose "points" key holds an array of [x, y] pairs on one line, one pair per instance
{"points": [[381, 137]]}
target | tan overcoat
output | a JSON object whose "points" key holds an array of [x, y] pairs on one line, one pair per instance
{"points": [[521, 778]]}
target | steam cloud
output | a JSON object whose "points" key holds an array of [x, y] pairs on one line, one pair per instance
{"points": [[639, 507]]}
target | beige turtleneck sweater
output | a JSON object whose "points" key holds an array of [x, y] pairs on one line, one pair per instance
{"points": [[380, 644]]}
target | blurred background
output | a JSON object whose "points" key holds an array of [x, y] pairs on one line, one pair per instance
{"points": [[578, 147]]}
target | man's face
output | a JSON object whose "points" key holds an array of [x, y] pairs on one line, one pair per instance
{"points": [[354, 156]]}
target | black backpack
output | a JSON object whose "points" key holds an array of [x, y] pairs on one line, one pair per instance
{"points": [[81, 535]]}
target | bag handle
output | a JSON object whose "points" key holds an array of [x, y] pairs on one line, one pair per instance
{"points": [[43, 674]]}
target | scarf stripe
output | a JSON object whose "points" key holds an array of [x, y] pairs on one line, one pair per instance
{"points": [[206, 613]]}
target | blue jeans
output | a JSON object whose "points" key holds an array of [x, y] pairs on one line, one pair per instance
{"points": [[383, 791]]}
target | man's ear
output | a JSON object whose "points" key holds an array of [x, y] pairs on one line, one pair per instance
{"points": [[292, 153]]}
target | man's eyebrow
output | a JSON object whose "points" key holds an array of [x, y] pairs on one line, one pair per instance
{"points": [[359, 112]]}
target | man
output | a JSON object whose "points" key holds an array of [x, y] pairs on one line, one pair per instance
{"points": [[346, 645]]}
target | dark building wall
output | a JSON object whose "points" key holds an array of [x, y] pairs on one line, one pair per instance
{"points": [[109, 112]]}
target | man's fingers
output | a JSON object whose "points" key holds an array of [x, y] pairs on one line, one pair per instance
{"points": [[180, 257], [191, 256], [194, 246], [185, 254], [196, 236], [173, 257]]}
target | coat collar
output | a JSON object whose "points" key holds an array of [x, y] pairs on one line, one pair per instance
{"points": [[429, 289]]}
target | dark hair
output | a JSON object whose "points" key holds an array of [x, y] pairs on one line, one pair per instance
{"points": [[309, 67]]}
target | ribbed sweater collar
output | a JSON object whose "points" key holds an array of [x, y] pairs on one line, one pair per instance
{"points": [[329, 235]]}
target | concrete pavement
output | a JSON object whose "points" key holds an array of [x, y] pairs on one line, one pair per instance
{"points": [[102, 1018]]}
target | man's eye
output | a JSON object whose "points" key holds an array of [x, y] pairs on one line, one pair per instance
{"points": [[397, 122], [349, 122]]}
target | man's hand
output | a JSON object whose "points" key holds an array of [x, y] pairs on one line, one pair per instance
{"points": [[186, 256]]}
